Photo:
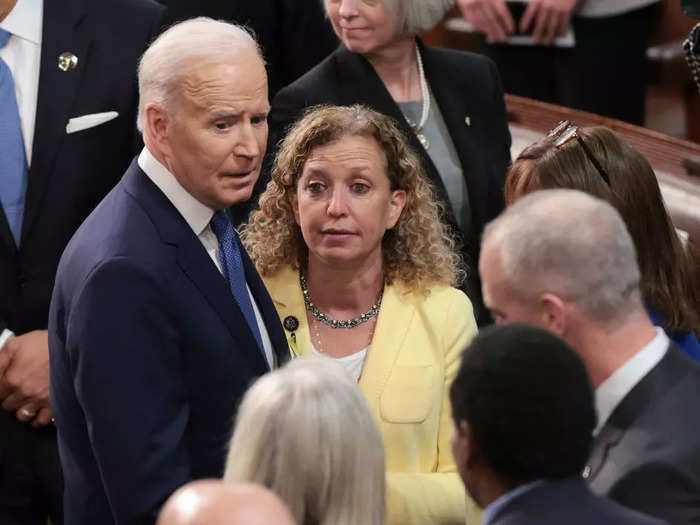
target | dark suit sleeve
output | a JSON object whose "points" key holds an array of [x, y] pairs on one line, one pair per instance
{"points": [[128, 377], [660, 490]]}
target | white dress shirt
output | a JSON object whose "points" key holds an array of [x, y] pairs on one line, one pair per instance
{"points": [[22, 54], [613, 390], [198, 217]]}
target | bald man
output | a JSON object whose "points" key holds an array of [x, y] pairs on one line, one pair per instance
{"points": [[213, 502]]}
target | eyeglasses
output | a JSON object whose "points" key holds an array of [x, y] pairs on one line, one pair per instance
{"points": [[565, 132]]}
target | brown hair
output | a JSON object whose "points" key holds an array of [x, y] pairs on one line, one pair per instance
{"points": [[666, 268], [418, 252]]}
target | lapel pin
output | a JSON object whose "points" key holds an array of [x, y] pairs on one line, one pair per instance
{"points": [[468, 120], [67, 61], [291, 323]]}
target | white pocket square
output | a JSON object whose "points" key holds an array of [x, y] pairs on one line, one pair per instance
{"points": [[89, 121]]}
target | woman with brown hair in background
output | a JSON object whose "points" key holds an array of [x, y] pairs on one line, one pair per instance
{"points": [[597, 161]]}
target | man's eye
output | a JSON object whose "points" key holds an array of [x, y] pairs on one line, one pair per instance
{"points": [[359, 187], [222, 126], [259, 119]]}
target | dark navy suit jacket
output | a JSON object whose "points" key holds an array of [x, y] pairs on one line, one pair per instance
{"points": [[566, 502], [149, 357]]}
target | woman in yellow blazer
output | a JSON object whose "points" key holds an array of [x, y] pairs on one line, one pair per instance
{"points": [[350, 245]]}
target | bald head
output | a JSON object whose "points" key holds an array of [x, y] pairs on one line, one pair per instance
{"points": [[567, 243], [214, 502]]}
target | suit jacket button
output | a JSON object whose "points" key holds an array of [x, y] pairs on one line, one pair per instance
{"points": [[586, 472]]}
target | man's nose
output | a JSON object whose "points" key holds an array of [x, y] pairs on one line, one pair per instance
{"points": [[247, 144]]}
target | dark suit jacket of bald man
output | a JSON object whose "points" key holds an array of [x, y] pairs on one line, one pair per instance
{"points": [[647, 455]]}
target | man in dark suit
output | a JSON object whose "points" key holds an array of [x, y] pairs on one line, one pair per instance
{"points": [[159, 321], [294, 34], [523, 412], [69, 103], [564, 261]]}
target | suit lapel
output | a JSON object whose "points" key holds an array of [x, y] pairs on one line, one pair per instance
{"points": [[63, 30], [454, 110], [358, 81], [394, 320], [195, 263], [653, 386], [267, 309]]}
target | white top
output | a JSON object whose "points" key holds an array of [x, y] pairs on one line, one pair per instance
{"points": [[22, 54], [614, 389], [198, 216], [352, 363]]}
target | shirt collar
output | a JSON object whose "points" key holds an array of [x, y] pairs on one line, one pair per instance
{"points": [[493, 508], [196, 214], [25, 20], [613, 390]]}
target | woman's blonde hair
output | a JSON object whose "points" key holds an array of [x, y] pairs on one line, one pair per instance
{"points": [[418, 252], [306, 432]]}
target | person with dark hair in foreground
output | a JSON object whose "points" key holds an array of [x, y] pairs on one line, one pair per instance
{"points": [[524, 416], [564, 261]]}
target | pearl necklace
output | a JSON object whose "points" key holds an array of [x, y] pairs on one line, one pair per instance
{"points": [[333, 323], [425, 111]]}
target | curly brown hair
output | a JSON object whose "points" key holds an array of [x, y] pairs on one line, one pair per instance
{"points": [[418, 252], [667, 280]]}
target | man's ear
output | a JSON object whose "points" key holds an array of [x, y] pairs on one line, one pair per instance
{"points": [[156, 126], [553, 311]]}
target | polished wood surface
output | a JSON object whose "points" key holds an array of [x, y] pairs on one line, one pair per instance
{"points": [[676, 162]]}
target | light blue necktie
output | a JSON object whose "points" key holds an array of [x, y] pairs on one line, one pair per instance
{"points": [[230, 250], [14, 171]]}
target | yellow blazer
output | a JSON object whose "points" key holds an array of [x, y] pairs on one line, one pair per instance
{"points": [[412, 360]]}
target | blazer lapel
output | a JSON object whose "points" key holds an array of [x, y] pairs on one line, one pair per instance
{"points": [[454, 110], [359, 81], [63, 30], [195, 262], [288, 300], [394, 319], [653, 386]]}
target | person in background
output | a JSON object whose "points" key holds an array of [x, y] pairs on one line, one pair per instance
{"points": [[294, 35], [603, 70], [449, 104], [360, 268], [68, 101], [306, 433], [214, 502], [597, 161], [159, 321], [523, 415], [563, 260]]}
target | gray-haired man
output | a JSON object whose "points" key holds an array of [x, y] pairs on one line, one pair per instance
{"points": [[564, 261]]}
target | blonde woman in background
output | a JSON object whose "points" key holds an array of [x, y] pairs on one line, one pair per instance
{"points": [[305, 432]]}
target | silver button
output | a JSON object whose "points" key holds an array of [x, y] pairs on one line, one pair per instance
{"points": [[586, 472]]}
